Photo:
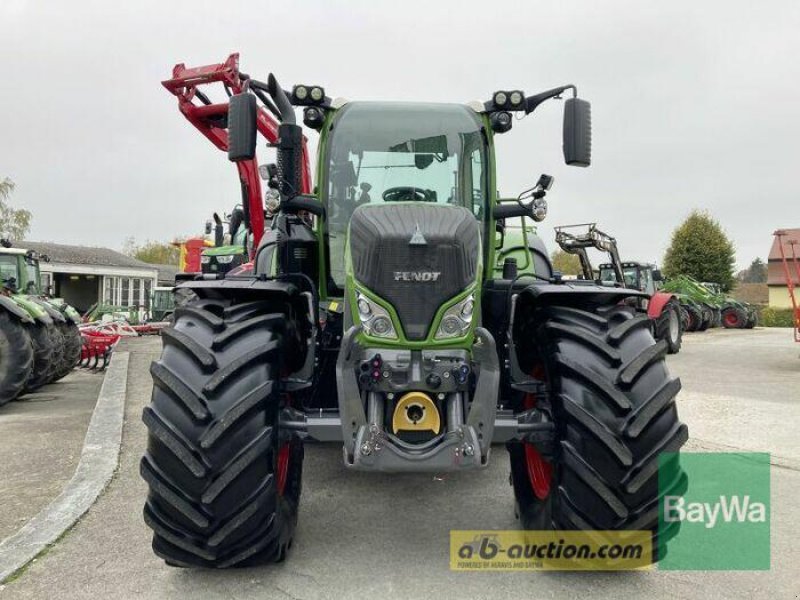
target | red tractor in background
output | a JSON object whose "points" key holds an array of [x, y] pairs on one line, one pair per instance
{"points": [[663, 309]]}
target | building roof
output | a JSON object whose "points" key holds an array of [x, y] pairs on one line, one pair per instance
{"points": [[775, 272], [166, 273], [791, 234], [84, 255]]}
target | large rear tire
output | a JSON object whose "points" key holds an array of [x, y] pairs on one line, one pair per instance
{"points": [[224, 481], [71, 353], [16, 358], [43, 352], [613, 404], [695, 318], [668, 326], [706, 318]]}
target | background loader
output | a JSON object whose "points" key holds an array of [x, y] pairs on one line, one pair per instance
{"points": [[663, 309]]}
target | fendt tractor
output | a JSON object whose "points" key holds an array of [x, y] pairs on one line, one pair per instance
{"points": [[39, 338], [373, 318]]}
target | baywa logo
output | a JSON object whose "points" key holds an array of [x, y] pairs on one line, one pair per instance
{"points": [[722, 521], [729, 508]]}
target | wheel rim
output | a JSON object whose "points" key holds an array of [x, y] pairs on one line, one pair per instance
{"points": [[282, 468], [732, 319], [540, 472], [674, 326]]}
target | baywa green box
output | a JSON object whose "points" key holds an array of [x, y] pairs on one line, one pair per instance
{"points": [[724, 515]]}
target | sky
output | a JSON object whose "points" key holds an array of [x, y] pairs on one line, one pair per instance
{"points": [[695, 105]]}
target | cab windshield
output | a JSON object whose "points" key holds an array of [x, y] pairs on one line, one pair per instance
{"points": [[380, 152], [32, 276]]}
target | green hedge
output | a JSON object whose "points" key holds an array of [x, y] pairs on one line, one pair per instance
{"points": [[776, 317]]}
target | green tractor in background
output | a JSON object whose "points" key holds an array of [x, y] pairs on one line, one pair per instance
{"points": [[734, 314], [385, 313], [705, 305], [230, 249], [39, 338]]}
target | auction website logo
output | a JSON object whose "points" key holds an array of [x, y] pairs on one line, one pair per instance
{"points": [[517, 550]]}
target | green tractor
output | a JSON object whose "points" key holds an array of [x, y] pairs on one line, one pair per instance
{"points": [[229, 250], [733, 313], [162, 303], [375, 318], [39, 338]]}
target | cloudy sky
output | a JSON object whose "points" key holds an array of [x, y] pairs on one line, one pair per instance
{"points": [[695, 104]]}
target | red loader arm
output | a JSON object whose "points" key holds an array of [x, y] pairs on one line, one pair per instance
{"points": [[211, 120]]}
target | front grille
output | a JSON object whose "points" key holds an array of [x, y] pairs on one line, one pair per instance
{"points": [[403, 273]]}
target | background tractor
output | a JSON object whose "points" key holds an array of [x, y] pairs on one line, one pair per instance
{"points": [[374, 317], [707, 306], [661, 308], [39, 339]]}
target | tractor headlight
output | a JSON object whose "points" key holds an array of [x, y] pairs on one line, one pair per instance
{"points": [[374, 318], [457, 319], [317, 93], [225, 259], [205, 259], [500, 98], [301, 92]]}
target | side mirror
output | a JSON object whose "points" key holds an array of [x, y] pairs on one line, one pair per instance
{"points": [[577, 132], [208, 227], [242, 114], [657, 276]]}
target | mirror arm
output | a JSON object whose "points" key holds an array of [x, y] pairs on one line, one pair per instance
{"points": [[531, 102]]}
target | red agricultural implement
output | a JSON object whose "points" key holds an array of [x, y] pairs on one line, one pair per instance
{"points": [[789, 277], [100, 339], [211, 119]]}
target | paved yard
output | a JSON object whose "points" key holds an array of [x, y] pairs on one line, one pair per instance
{"points": [[363, 535], [41, 437]]}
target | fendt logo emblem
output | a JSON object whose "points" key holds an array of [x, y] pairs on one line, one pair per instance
{"points": [[423, 276]]}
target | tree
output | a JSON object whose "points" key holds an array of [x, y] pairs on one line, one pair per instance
{"points": [[700, 249], [158, 253], [755, 273], [568, 264], [14, 222]]}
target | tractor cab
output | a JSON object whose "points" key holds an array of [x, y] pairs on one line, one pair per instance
{"points": [[19, 271], [397, 171], [639, 276]]}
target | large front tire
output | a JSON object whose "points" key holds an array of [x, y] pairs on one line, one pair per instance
{"points": [[613, 403], [16, 358], [224, 482]]}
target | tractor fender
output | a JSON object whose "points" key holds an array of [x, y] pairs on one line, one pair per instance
{"points": [[52, 311], [71, 314], [8, 305], [573, 291], [657, 303], [577, 293], [34, 310]]}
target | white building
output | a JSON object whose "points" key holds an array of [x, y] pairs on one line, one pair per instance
{"points": [[84, 275]]}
